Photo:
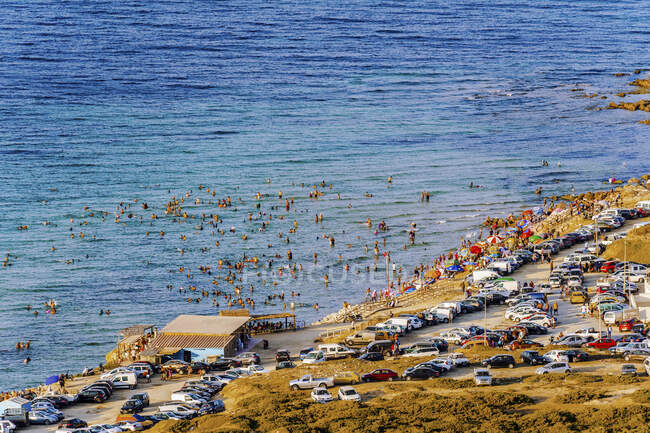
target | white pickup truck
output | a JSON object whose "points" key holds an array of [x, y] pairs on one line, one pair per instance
{"points": [[309, 382]]}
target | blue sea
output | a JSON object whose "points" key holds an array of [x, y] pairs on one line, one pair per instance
{"points": [[105, 103]]}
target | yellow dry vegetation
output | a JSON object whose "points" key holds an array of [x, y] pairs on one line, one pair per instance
{"points": [[550, 403], [634, 248]]}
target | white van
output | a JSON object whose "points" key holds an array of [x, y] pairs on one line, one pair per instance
{"points": [[404, 322], [456, 307], [442, 314], [608, 213], [613, 317], [484, 275], [335, 351], [645, 205], [127, 379], [501, 266]]}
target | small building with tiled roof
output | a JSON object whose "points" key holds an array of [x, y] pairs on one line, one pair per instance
{"points": [[200, 338]]}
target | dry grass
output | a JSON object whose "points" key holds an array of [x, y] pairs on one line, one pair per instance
{"points": [[634, 247], [549, 403]]}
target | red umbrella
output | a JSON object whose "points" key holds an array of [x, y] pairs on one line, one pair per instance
{"points": [[527, 212], [494, 239], [526, 234], [475, 249]]}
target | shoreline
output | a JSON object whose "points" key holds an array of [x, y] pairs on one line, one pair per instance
{"points": [[554, 223], [551, 221], [159, 391]]}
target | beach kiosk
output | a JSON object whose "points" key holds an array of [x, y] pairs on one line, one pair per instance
{"points": [[200, 338], [15, 409], [130, 342]]}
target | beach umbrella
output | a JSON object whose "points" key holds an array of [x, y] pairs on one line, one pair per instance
{"points": [[526, 234], [534, 238], [538, 210], [468, 263], [475, 249], [494, 239], [522, 223], [52, 379], [464, 252], [527, 212], [455, 268]]}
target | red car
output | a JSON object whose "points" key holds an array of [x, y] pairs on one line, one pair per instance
{"points": [[642, 213], [379, 375], [627, 325], [609, 266], [602, 343]]}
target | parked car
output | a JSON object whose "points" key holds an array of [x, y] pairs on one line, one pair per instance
{"points": [[91, 395], [458, 359], [223, 364], [571, 341], [601, 343], [346, 378], [72, 423], [177, 407], [41, 417], [372, 356], [109, 374], [321, 395], [336, 351], [380, 374], [143, 397], [421, 351], [385, 347], [523, 344], [285, 364], [420, 372], [308, 382], [212, 406], [554, 367], [248, 358], [304, 352], [636, 354], [282, 355], [314, 357], [349, 394], [482, 376], [499, 361], [7, 426], [627, 325], [132, 405], [444, 363], [576, 355], [532, 357]]}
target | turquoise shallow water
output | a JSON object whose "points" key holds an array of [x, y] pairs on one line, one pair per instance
{"points": [[105, 102]]}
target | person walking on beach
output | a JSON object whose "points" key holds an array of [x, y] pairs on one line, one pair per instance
{"points": [[609, 331], [555, 309]]}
